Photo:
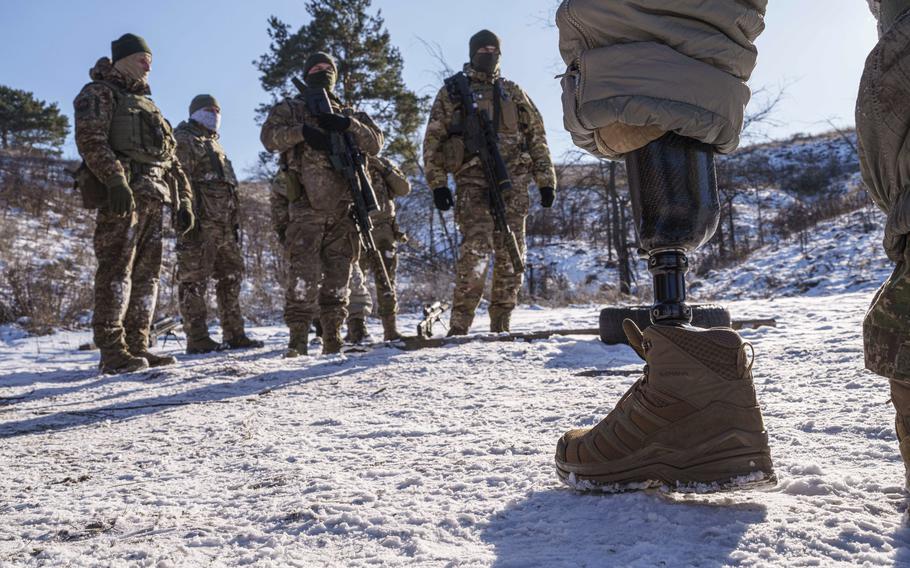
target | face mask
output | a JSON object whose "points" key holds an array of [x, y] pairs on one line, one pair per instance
{"points": [[133, 68], [321, 80], [207, 118], [485, 62]]}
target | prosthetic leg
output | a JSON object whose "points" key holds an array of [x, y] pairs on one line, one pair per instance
{"points": [[693, 417]]}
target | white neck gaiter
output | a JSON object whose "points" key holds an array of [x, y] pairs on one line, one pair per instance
{"points": [[207, 118]]}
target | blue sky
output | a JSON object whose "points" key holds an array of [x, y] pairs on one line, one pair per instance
{"points": [[814, 47]]}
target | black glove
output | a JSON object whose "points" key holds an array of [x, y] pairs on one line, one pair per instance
{"points": [[282, 234], [547, 197], [442, 197], [334, 122], [120, 198], [316, 139], [185, 220]]}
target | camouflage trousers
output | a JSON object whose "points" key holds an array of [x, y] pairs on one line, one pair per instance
{"points": [[210, 251], [472, 215], [128, 250], [886, 329], [361, 303], [321, 247]]}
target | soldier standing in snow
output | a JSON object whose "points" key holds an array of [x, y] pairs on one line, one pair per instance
{"points": [[638, 88], [130, 172], [389, 182], [314, 214], [882, 125], [523, 144], [212, 248]]}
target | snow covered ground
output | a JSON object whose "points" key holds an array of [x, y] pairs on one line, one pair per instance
{"points": [[440, 457]]}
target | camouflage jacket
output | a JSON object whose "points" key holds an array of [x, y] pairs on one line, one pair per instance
{"points": [[522, 137], [389, 182], [95, 110], [323, 187], [209, 170]]}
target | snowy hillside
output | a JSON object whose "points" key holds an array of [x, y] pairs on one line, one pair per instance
{"points": [[841, 255]]}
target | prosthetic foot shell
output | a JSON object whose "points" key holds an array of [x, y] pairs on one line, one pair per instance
{"points": [[691, 419]]}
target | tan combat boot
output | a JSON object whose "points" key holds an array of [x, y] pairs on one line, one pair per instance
{"points": [[357, 331], [691, 419], [390, 328], [206, 344], [299, 341], [118, 361], [900, 398], [331, 335]]}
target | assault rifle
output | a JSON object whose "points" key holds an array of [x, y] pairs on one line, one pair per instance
{"points": [[431, 314], [351, 163], [481, 140]]}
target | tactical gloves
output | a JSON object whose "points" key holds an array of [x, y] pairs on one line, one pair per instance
{"points": [[282, 234], [316, 139], [333, 122], [547, 197], [442, 197], [120, 198], [185, 220]]}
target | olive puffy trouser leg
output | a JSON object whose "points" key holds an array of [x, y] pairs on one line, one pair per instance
{"points": [[128, 250], [321, 247]]}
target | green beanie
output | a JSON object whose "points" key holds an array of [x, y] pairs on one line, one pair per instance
{"points": [[482, 38], [315, 59], [127, 45], [203, 101]]}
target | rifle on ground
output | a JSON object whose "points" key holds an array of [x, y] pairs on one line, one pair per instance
{"points": [[351, 163], [482, 140], [431, 315]]}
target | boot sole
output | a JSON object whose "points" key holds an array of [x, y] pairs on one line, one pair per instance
{"points": [[717, 473]]}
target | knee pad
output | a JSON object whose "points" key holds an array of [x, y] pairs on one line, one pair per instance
{"points": [[673, 187]]}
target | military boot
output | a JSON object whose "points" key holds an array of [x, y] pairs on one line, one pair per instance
{"points": [[459, 323], [692, 418], [357, 331], [900, 398], [500, 320], [390, 328], [331, 336], [118, 361], [203, 345], [298, 343], [153, 359], [243, 341], [137, 348]]}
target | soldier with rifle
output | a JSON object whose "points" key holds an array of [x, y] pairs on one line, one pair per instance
{"points": [[328, 198], [485, 131]]}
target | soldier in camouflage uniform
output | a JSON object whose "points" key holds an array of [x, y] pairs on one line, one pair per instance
{"points": [[212, 249], [882, 123], [130, 172], [321, 241], [523, 145], [389, 182]]}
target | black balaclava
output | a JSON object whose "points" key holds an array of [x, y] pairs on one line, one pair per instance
{"points": [[322, 79], [484, 62]]}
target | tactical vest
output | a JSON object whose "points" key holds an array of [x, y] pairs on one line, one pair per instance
{"points": [[220, 169], [138, 130], [498, 103]]}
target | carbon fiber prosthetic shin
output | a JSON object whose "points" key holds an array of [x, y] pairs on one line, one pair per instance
{"points": [[673, 187]]}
